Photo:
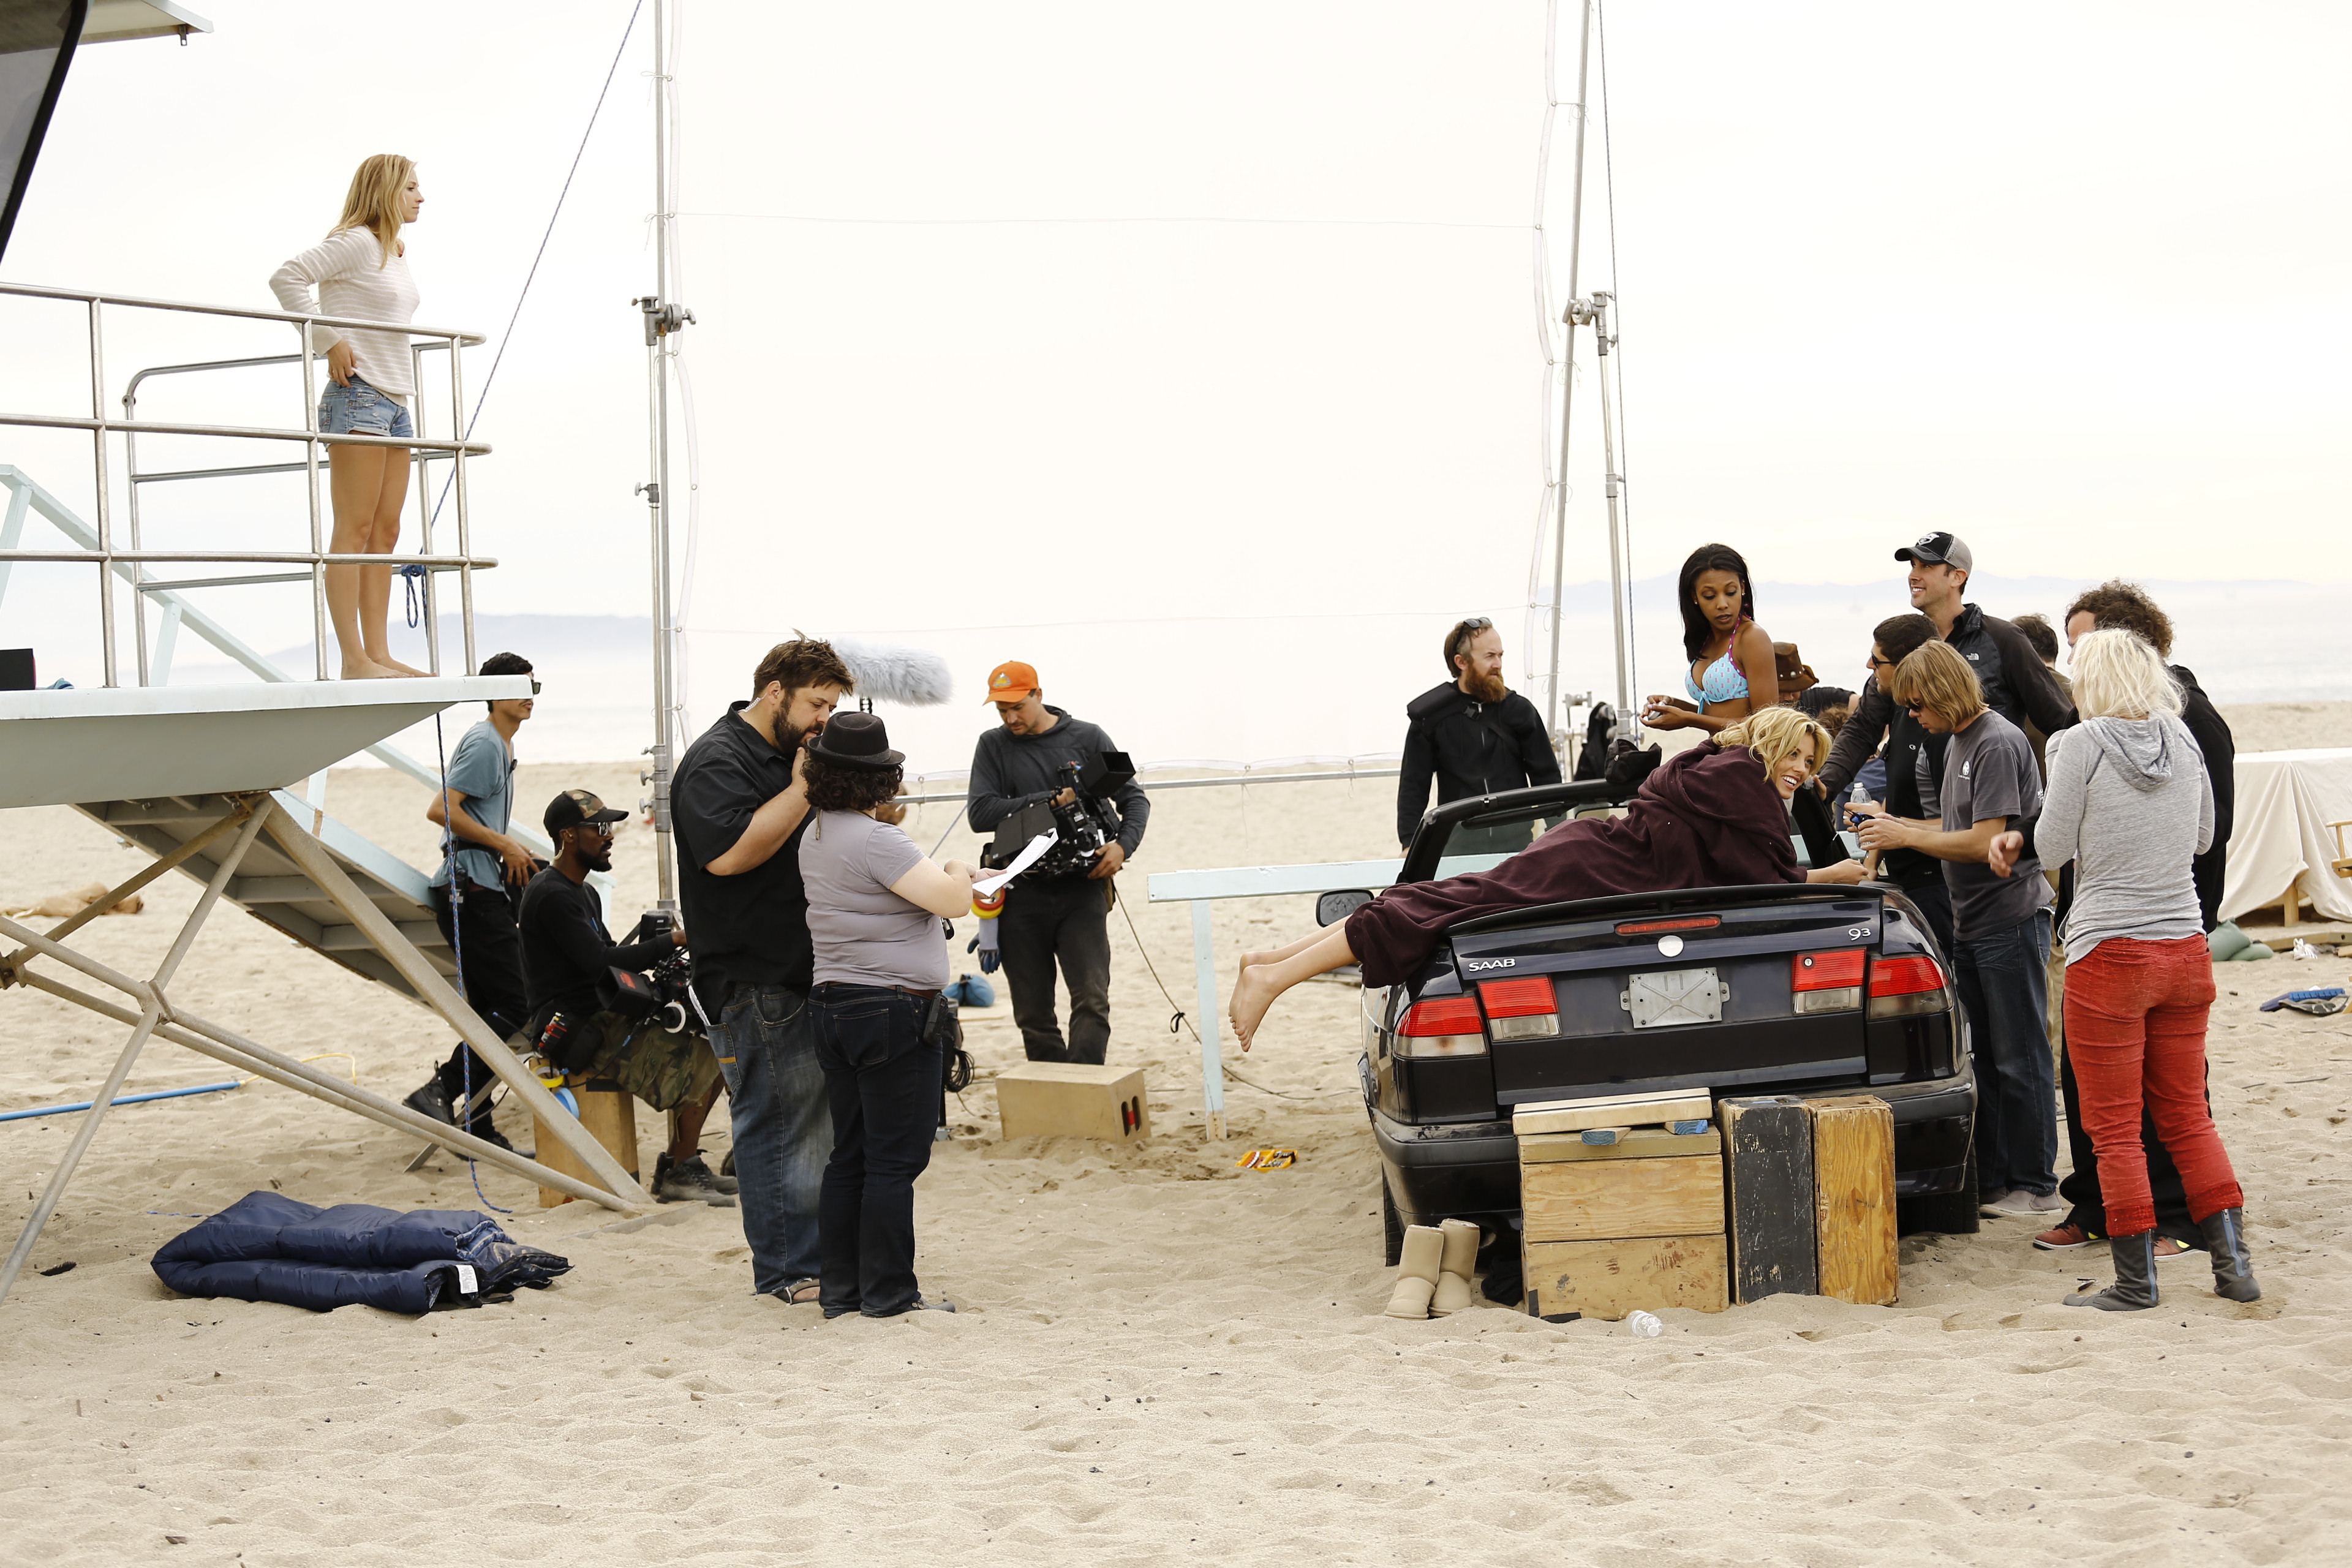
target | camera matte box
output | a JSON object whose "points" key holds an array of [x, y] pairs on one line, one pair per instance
{"points": [[1073, 1100]]}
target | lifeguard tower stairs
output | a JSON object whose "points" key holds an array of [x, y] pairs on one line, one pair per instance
{"points": [[224, 783]]}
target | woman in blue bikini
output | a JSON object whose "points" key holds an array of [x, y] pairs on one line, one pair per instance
{"points": [[1730, 673]]}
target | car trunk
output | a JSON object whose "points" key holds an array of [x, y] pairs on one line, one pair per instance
{"points": [[1746, 994]]}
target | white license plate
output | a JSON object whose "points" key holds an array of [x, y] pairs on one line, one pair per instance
{"points": [[1668, 997]]}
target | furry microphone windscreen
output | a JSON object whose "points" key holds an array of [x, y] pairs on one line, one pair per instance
{"points": [[886, 673]]}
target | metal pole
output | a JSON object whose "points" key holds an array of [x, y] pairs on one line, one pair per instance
{"points": [[659, 324], [130, 501], [1605, 338], [311, 480], [1567, 370], [105, 524], [465, 520]]}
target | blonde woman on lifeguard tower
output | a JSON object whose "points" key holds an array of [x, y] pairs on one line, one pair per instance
{"points": [[361, 272]]}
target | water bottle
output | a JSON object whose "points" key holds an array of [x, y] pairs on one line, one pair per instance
{"points": [[1643, 1325], [1854, 803]]}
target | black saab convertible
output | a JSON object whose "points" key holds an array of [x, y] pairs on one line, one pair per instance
{"points": [[1792, 988]]}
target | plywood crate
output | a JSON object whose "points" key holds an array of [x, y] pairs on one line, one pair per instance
{"points": [[1768, 1188], [1610, 1279], [1853, 1202], [1611, 1111], [1632, 1144], [1599, 1200], [611, 1117], [1073, 1100]]}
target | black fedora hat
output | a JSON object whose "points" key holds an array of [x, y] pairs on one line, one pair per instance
{"points": [[856, 741]]}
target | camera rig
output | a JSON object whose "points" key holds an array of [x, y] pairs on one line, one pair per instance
{"points": [[1081, 829]]}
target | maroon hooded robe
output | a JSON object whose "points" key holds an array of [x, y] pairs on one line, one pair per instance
{"points": [[1707, 818]]}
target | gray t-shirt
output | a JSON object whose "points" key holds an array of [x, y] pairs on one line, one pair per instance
{"points": [[482, 770], [1988, 771], [865, 934]]}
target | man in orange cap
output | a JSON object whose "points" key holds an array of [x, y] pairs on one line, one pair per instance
{"points": [[1062, 920]]}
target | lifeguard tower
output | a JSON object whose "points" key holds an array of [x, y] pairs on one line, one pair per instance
{"points": [[209, 777]]}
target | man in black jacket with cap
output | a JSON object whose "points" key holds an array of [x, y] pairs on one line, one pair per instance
{"points": [[1474, 733], [2017, 686]]}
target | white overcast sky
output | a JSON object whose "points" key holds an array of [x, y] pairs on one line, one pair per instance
{"points": [[2065, 277]]}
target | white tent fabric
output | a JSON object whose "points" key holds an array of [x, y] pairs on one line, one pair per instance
{"points": [[2285, 801], [1217, 394]]}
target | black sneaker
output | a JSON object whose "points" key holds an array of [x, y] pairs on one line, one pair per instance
{"points": [[689, 1180], [428, 1101], [491, 1135]]}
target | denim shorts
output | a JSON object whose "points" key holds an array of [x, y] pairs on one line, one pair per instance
{"points": [[360, 409]]}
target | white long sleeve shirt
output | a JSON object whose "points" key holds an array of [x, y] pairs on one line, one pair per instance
{"points": [[347, 276]]}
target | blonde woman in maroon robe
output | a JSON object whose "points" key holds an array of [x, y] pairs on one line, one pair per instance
{"points": [[1714, 816]]}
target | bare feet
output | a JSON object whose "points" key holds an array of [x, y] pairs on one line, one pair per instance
{"points": [[366, 669], [394, 665], [1254, 993], [1248, 958]]}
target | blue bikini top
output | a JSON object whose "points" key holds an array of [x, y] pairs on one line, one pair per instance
{"points": [[1721, 682]]}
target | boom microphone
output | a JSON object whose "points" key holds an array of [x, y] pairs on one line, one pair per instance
{"points": [[887, 673]]}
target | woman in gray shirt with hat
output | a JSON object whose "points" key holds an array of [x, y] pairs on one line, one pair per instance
{"points": [[875, 905]]}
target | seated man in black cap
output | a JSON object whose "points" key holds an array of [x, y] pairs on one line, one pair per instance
{"points": [[568, 961]]}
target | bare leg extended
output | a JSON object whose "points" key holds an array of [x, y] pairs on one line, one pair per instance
{"points": [[358, 481], [1260, 984], [1276, 954], [376, 581]]}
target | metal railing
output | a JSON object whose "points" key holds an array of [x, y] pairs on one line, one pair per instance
{"points": [[132, 562]]}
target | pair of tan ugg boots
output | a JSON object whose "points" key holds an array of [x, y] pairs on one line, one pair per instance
{"points": [[1433, 1272]]}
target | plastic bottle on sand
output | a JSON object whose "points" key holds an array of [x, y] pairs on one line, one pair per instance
{"points": [[1643, 1325]]}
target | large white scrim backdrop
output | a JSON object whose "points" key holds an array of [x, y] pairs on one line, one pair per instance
{"points": [[1216, 391]]}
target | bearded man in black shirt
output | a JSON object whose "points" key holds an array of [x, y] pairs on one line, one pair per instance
{"points": [[568, 958]]}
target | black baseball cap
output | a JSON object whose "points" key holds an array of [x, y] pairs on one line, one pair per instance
{"points": [[575, 807], [1938, 549]]}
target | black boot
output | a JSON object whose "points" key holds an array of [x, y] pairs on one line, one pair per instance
{"points": [[2135, 1286], [2233, 1271]]}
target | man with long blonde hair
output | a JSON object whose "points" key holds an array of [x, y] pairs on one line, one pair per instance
{"points": [[2000, 925], [360, 272]]}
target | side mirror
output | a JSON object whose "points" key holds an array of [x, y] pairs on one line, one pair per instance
{"points": [[1333, 908]]}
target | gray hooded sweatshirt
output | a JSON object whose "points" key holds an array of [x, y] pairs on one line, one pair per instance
{"points": [[2130, 805]]}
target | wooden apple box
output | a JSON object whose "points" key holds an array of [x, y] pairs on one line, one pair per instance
{"points": [[611, 1117], [1073, 1100], [1634, 1223]]}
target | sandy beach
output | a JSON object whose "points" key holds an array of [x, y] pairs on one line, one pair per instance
{"points": [[1160, 1357]]}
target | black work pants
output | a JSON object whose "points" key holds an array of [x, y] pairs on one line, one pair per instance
{"points": [[2080, 1187], [1066, 922], [883, 1084], [479, 928]]}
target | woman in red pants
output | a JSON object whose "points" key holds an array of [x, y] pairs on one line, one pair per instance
{"points": [[2130, 805]]}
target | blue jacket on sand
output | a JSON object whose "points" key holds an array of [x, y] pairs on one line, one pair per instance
{"points": [[266, 1247]]}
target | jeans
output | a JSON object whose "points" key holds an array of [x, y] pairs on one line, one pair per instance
{"points": [[2004, 989], [884, 1083], [775, 1097], [480, 930], [360, 409], [1069, 921], [2135, 1031], [1934, 902]]}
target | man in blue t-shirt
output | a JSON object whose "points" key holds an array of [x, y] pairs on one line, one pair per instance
{"points": [[483, 872]]}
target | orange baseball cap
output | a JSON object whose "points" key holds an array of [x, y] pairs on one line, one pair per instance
{"points": [[1011, 681]]}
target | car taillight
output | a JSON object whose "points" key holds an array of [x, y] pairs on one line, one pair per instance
{"points": [[1913, 983], [1442, 1026], [1828, 982], [1687, 923], [1521, 1009]]}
